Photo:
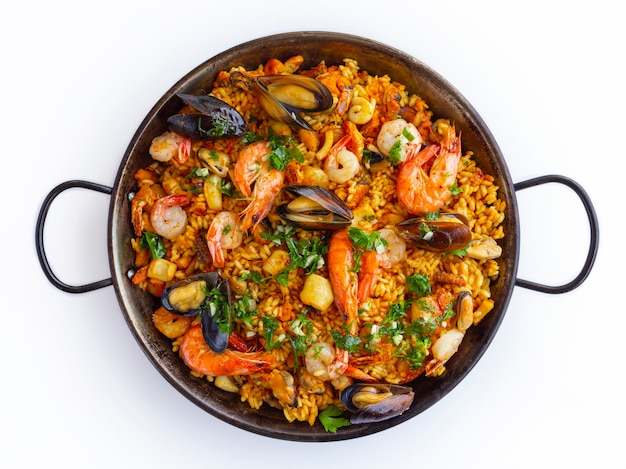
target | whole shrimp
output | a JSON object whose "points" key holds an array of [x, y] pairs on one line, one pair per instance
{"points": [[144, 200], [252, 161], [348, 293], [200, 358], [168, 217], [343, 160], [253, 167], [340, 87], [419, 192], [224, 233], [169, 146]]}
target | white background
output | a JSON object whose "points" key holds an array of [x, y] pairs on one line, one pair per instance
{"points": [[78, 78]]}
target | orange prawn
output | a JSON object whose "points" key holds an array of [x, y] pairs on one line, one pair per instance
{"points": [[265, 192], [223, 233], [252, 161], [170, 146], [419, 192], [253, 167], [340, 87], [168, 217], [368, 273], [200, 358], [343, 281], [143, 200]]}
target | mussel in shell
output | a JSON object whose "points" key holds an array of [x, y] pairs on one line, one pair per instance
{"points": [[315, 208], [214, 119], [285, 97], [376, 402], [448, 232], [207, 295]]}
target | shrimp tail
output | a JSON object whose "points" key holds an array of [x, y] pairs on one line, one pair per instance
{"points": [[358, 374], [200, 358]]}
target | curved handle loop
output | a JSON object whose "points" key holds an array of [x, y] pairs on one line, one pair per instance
{"points": [[593, 242], [39, 228]]}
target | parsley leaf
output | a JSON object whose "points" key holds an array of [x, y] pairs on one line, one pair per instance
{"points": [[302, 328], [455, 190], [416, 354], [418, 284], [331, 419], [457, 252], [270, 326], [362, 241], [346, 341], [395, 153], [305, 253], [284, 150], [154, 242]]}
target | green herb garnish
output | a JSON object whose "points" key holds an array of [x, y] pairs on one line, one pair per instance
{"points": [[331, 419], [455, 190], [242, 309], [284, 150], [362, 241], [346, 341], [216, 304], [154, 242], [418, 284], [270, 326], [198, 173], [395, 153]]}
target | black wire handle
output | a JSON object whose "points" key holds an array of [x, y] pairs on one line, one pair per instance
{"points": [[593, 225], [39, 228]]}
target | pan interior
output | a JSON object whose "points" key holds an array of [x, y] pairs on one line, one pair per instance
{"points": [[377, 58]]}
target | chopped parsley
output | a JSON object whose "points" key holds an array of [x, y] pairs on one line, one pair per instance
{"points": [[362, 241], [302, 329], [198, 173], [219, 128], [455, 190], [395, 153], [270, 327], [243, 309], [283, 148], [418, 284], [307, 254], [346, 341], [215, 304]]}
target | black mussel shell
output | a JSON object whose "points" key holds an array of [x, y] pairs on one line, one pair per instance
{"points": [[297, 92], [326, 211], [216, 327], [449, 232], [215, 119], [285, 97], [388, 401], [215, 314]]}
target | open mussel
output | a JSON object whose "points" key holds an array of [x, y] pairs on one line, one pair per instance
{"points": [[214, 119], [376, 402], [315, 208], [285, 97], [448, 232], [207, 295]]}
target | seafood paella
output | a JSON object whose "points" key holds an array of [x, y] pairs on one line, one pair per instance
{"points": [[317, 239]]}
